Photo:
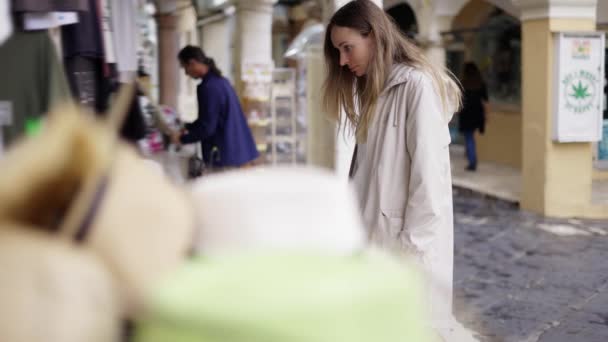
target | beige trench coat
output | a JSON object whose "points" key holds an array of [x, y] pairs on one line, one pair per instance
{"points": [[403, 179]]}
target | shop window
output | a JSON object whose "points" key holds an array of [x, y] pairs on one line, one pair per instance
{"points": [[497, 51], [495, 46]]}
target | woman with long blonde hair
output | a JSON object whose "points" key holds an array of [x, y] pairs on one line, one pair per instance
{"points": [[398, 104]]}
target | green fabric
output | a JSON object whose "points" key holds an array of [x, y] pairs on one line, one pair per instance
{"points": [[32, 126], [287, 298], [33, 79]]}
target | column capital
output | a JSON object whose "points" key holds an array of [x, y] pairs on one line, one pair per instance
{"points": [[254, 5], [567, 9], [166, 21]]}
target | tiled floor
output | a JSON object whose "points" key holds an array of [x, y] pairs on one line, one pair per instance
{"points": [[496, 180], [503, 182]]}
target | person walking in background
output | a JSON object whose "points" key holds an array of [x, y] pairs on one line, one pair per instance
{"points": [[221, 126], [472, 116], [399, 105]]}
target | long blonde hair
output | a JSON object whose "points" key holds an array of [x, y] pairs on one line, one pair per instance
{"points": [[358, 96]]}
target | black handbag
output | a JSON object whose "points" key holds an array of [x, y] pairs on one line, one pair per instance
{"points": [[197, 166]]}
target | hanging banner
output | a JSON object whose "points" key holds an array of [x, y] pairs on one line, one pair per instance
{"points": [[579, 86]]}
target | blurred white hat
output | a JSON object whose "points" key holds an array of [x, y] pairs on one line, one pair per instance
{"points": [[277, 209]]}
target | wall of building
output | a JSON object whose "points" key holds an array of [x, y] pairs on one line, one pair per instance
{"points": [[501, 142]]}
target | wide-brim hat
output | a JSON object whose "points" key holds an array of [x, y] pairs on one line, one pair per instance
{"points": [[288, 209]]}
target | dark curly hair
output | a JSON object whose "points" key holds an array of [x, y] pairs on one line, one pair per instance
{"points": [[194, 52]]}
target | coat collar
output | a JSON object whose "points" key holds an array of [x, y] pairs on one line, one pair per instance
{"points": [[399, 74]]}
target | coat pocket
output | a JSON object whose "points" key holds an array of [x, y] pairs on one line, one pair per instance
{"points": [[394, 215], [394, 236], [391, 226]]}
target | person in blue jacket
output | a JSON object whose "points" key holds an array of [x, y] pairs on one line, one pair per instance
{"points": [[221, 126]]}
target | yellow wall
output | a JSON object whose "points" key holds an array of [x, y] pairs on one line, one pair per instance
{"points": [[501, 142], [556, 178], [600, 174]]}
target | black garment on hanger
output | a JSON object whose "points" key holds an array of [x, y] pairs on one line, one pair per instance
{"points": [[134, 127], [89, 76], [87, 82], [84, 38]]}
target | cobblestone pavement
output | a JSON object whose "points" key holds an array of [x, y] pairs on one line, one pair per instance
{"points": [[521, 277]]}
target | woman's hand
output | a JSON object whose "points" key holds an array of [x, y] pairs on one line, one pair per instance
{"points": [[175, 138]]}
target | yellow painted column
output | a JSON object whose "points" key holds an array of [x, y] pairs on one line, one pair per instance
{"points": [[556, 176]]}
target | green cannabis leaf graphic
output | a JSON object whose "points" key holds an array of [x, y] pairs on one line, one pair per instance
{"points": [[580, 92]]}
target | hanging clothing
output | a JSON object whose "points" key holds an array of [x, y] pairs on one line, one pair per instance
{"points": [[85, 59], [134, 127], [107, 29], [50, 5], [37, 80], [46, 20], [85, 75], [124, 14], [6, 21], [84, 38]]}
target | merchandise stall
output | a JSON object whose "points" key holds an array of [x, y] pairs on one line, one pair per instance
{"points": [[83, 50]]}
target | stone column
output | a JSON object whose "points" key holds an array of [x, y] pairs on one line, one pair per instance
{"points": [[168, 66], [216, 40], [431, 36], [253, 35], [556, 177]]}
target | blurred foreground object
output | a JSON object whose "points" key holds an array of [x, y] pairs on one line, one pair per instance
{"points": [[282, 258], [33, 82], [278, 209], [295, 297], [78, 185], [53, 291]]}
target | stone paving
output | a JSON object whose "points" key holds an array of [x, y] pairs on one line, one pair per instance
{"points": [[521, 277]]}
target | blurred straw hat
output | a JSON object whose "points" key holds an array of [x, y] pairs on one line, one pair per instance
{"points": [[75, 179], [53, 291]]}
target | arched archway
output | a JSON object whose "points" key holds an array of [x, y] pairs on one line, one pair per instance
{"points": [[491, 38], [405, 18]]}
